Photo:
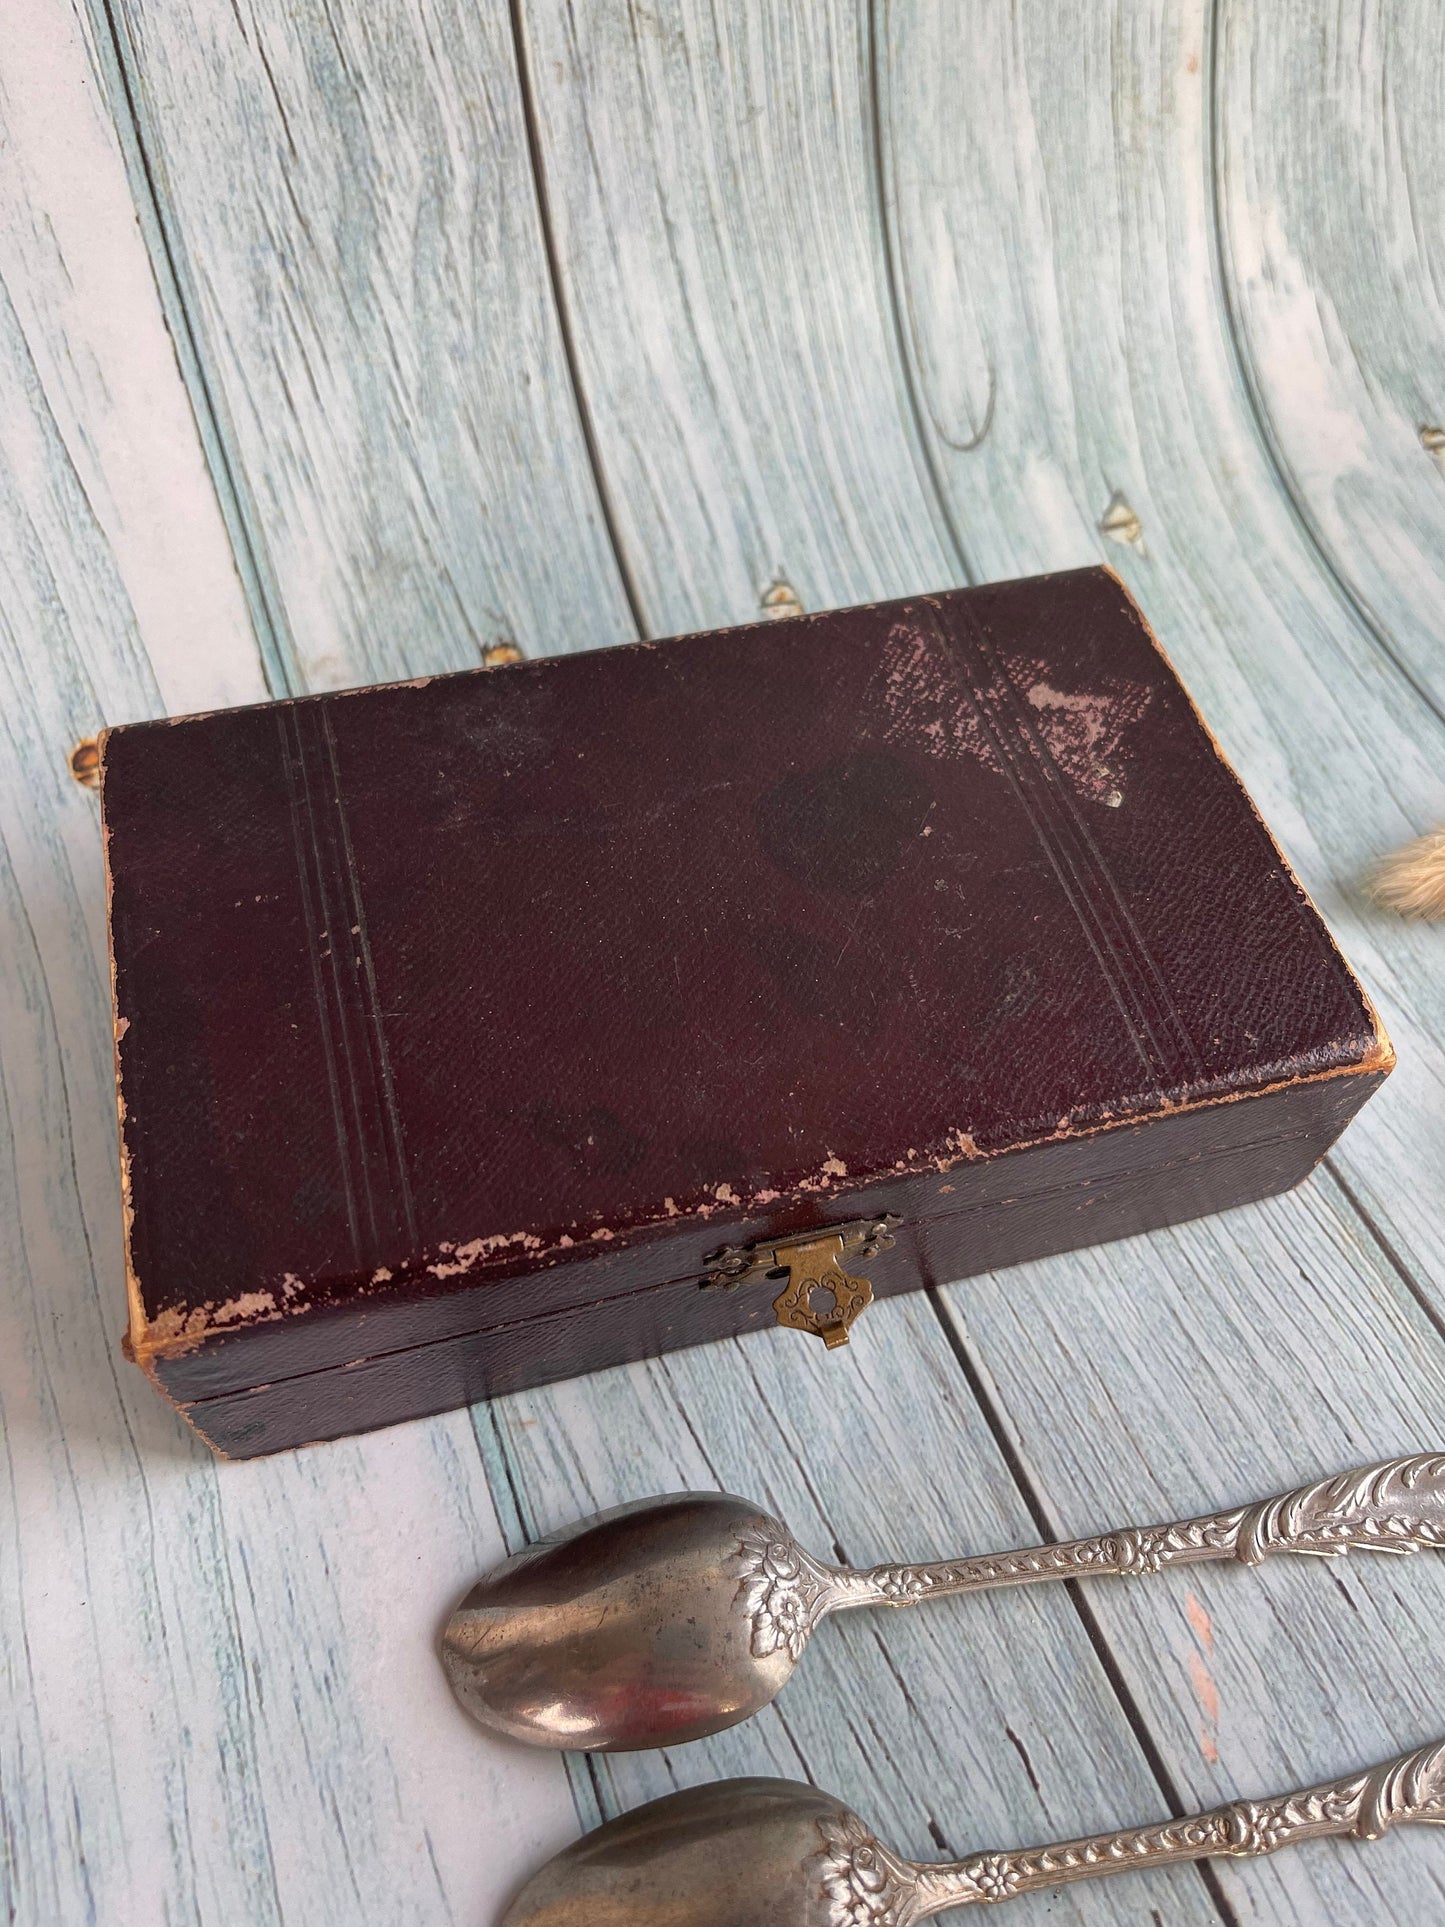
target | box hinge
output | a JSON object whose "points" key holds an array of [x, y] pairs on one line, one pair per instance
{"points": [[811, 1262]]}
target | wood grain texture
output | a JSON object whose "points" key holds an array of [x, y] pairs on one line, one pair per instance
{"points": [[221, 1701], [1330, 151], [101, 454], [711, 185], [1084, 264], [345, 199], [711, 313], [1281, 1345]]}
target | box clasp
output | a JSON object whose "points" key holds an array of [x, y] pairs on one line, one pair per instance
{"points": [[812, 1264]]}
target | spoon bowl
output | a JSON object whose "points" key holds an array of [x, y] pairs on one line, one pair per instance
{"points": [[623, 1631], [736, 1854]]}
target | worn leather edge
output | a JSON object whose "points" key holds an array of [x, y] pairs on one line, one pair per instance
{"points": [[133, 1343], [723, 1227], [349, 1334], [548, 664], [367, 1394], [628, 1294]]}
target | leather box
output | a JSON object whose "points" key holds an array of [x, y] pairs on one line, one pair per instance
{"points": [[487, 1029]]}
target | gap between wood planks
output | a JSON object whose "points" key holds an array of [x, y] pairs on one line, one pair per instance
{"points": [[1031, 1492], [564, 319], [1386, 1249], [279, 662]]}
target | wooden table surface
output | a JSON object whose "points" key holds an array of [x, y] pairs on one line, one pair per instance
{"points": [[344, 339]]}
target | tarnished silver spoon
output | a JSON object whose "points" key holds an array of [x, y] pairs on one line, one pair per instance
{"points": [[773, 1853], [676, 1617]]}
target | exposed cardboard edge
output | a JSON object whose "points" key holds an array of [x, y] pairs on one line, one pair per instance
{"points": [[208, 1415], [183, 1411], [629, 1294], [133, 1343], [1381, 1058]]}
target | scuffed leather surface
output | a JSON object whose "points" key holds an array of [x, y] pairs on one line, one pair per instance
{"points": [[432, 995], [658, 1318]]}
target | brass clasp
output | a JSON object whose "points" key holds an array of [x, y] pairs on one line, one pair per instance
{"points": [[812, 1262]]}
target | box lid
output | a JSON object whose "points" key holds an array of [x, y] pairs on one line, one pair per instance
{"points": [[425, 989]]}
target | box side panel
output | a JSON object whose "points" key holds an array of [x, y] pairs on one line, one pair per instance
{"points": [[1014, 1187], [993, 1232]]}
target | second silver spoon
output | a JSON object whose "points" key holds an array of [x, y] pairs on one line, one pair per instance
{"points": [[676, 1617], [774, 1853]]}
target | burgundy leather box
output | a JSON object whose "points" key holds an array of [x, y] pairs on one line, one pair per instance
{"points": [[492, 1028]]}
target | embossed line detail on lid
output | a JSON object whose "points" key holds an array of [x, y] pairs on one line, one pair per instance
{"points": [[370, 1152], [1164, 1046]]}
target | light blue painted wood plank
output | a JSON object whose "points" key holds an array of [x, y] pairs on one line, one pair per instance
{"points": [[351, 234], [221, 1698], [712, 192], [1209, 1366], [1331, 152]]}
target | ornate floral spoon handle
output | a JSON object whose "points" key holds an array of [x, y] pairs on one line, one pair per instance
{"points": [[1409, 1788], [1398, 1506]]}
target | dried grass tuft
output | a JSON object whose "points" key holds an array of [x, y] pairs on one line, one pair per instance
{"points": [[1412, 880]]}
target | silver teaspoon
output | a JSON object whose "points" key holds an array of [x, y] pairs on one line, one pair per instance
{"points": [[676, 1617], [773, 1853]]}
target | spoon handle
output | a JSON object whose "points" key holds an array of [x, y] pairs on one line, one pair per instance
{"points": [[1397, 1506], [1405, 1789]]}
